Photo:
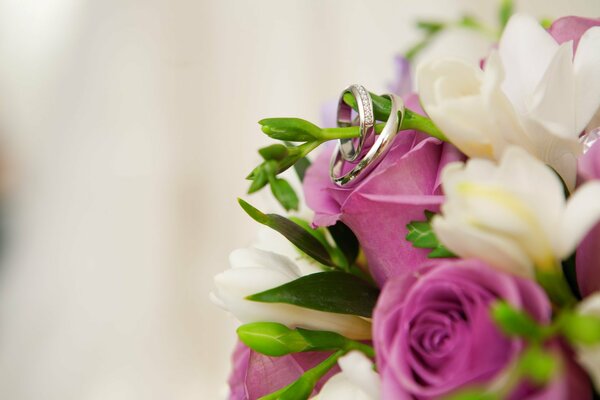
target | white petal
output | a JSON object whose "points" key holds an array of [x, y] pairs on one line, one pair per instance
{"points": [[252, 257], [464, 80], [545, 198], [356, 381], [359, 369], [581, 214], [587, 78], [506, 125], [526, 50], [468, 242], [246, 281], [552, 102], [273, 241]]}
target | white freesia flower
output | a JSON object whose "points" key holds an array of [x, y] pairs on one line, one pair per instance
{"points": [[271, 240], [253, 271], [589, 356], [532, 93], [513, 215], [356, 381]]}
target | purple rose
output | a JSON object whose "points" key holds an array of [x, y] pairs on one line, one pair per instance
{"points": [[433, 333], [588, 254], [571, 28], [255, 375], [396, 192]]}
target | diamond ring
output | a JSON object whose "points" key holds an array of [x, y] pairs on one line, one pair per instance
{"points": [[351, 148], [339, 166]]}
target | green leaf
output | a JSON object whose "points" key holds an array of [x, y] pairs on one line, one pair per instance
{"points": [[290, 129], [421, 235], [293, 232], [441, 252], [336, 292], [274, 152], [515, 322], [284, 193], [345, 240], [579, 328], [319, 234], [301, 166]]}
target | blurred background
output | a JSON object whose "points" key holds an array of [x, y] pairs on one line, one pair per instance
{"points": [[126, 130]]}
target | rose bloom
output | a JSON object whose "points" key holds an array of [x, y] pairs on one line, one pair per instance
{"points": [[396, 192], [255, 375], [433, 333]]}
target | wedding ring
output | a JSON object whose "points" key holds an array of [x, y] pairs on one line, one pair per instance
{"points": [[375, 153], [350, 151]]}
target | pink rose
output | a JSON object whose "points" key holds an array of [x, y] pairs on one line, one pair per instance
{"points": [[396, 192], [433, 333], [255, 375]]}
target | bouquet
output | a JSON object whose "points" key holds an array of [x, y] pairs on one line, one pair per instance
{"points": [[453, 250]]}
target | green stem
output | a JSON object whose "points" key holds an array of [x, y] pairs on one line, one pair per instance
{"points": [[557, 287], [320, 370], [381, 109], [301, 152], [303, 387]]}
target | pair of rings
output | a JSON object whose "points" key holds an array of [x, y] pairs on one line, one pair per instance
{"points": [[350, 163]]}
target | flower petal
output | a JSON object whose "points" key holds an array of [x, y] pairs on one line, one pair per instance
{"points": [[553, 100], [523, 66], [468, 242], [587, 78], [581, 214]]}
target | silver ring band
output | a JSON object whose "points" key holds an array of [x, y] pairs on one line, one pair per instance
{"points": [[366, 121], [375, 153]]}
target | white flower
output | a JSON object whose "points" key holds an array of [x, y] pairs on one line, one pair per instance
{"points": [[356, 381], [532, 93], [589, 356], [271, 240], [253, 271], [513, 215]]}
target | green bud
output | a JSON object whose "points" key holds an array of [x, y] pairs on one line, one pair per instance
{"points": [[271, 338], [515, 322], [291, 129], [274, 152], [579, 328], [538, 365], [546, 23], [259, 179]]}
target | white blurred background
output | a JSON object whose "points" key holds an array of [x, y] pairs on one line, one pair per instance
{"points": [[127, 128]]}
